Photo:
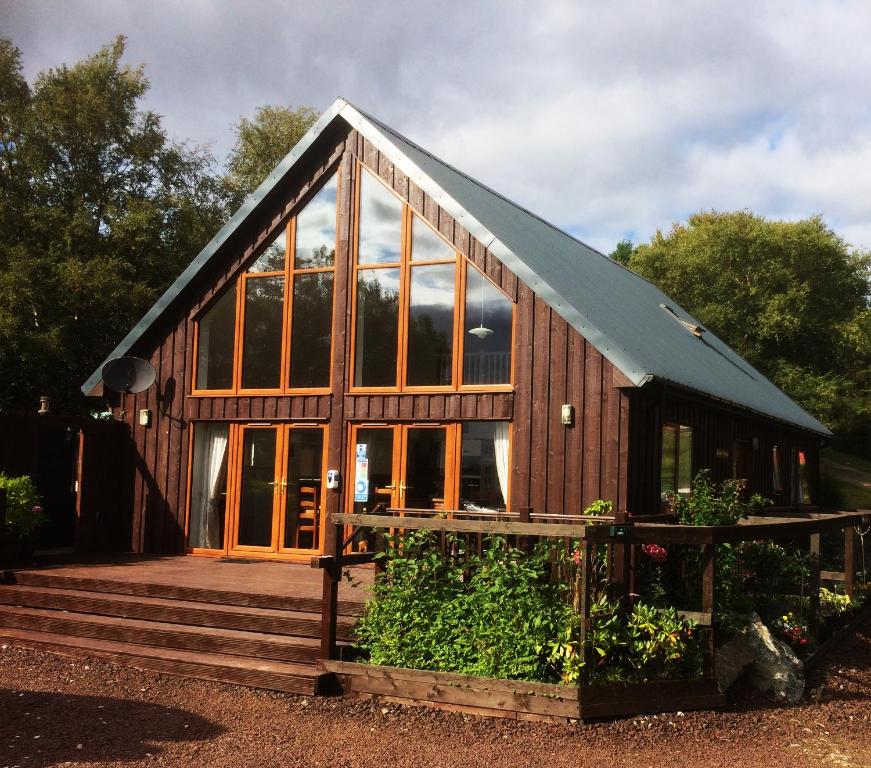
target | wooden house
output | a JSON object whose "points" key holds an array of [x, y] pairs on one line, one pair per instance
{"points": [[375, 327]]}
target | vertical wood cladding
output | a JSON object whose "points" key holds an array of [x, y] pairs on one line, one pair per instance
{"points": [[716, 429]]}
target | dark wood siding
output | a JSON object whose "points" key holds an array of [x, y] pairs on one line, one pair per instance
{"points": [[716, 429]]}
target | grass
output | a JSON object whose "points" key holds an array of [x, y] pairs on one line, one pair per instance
{"points": [[838, 489]]}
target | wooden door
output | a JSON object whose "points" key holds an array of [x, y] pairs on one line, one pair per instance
{"points": [[279, 490], [402, 466]]}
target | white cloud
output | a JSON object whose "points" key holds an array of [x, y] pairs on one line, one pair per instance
{"points": [[606, 118]]}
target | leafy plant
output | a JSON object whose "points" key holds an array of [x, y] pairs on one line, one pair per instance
{"points": [[511, 614], [711, 504], [834, 604], [23, 510]]}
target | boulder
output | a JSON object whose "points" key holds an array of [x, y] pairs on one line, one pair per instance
{"points": [[731, 659], [774, 668]]}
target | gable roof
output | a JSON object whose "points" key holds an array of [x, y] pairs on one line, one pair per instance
{"points": [[616, 310]]}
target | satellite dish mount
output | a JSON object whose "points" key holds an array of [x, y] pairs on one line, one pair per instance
{"points": [[128, 375]]}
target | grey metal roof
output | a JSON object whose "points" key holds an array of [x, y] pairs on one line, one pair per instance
{"points": [[619, 312]]}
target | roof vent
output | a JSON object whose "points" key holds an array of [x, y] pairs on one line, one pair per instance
{"points": [[696, 330]]}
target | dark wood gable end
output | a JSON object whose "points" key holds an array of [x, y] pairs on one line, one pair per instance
{"points": [[555, 468]]}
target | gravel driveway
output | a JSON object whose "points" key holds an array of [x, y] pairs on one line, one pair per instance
{"points": [[62, 711]]}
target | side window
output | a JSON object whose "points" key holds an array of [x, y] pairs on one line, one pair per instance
{"points": [[216, 330], [676, 467]]}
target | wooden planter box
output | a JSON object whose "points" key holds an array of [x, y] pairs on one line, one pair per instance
{"points": [[519, 700]]}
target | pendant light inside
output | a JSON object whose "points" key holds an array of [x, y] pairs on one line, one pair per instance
{"points": [[481, 332]]}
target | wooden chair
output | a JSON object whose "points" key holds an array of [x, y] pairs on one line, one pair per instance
{"points": [[309, 514]]}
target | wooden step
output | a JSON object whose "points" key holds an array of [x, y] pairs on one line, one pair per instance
{"points": [[273, 675], [56, 580], [160, 634], [170, 611]]}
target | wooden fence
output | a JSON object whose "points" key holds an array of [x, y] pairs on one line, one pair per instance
{"points": [[524, 700]]}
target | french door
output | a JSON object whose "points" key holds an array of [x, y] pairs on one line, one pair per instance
{"points": [[278, 499], [403, 466]]}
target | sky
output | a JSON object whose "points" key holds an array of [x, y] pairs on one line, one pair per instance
{"points": [[609, 119]]}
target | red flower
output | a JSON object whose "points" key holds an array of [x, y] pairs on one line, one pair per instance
{"points": [[576, 557], [37, 510], [655, 552]]}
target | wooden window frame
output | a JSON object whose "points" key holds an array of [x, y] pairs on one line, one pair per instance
{"points": [[453, 456], [289, 273], [231, 518], [677, 427], [405, 266]]}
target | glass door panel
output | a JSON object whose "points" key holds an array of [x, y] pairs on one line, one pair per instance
{"points": [[303, 489], [375, 446], [258, 484], [425, 470]]}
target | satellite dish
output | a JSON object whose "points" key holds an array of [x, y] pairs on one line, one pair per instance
{"points": [[128, 375]]}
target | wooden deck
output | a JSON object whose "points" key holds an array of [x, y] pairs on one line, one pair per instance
{"points": [[251, 622]]}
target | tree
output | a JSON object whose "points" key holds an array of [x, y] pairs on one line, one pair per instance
{"points": [[622, 252], [262, 143], [791, 297], [99, 212]]}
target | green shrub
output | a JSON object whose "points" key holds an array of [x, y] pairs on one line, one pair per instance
{"points": [[23, 511], [712, 504], [509, 614]]}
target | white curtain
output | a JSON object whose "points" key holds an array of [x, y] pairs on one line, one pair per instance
{"points": [[209, 481], [500, 448]]}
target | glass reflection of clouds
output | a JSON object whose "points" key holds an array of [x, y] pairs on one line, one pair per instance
{"points": [[316, 229], [426, 245], [380, 223]]}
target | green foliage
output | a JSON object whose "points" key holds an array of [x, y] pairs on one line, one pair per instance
{"points": [[491, 614], [262, 143], [510, 614], [712, 504], [99, 212], [834, 604], [599, 508], [622, 252], [791, 297], [643, 643], [23, 513]]}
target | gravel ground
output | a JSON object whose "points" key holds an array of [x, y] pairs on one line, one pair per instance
{"points": [[56, 710]]}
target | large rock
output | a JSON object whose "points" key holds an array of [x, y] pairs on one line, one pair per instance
{"points": [[773, 666], [731, 660]]}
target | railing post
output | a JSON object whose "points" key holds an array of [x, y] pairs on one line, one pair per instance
{"points": [[2, 529], [586, 622], [524, 514], [814, 583], [708, 579], [849, 559], [330, 595]]}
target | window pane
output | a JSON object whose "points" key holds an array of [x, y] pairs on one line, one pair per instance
{"points": [[302, 512], [486, 332], [777, 477], [257, 487], [208, 486], [431, 325], [685, 460], [261, 345], [316, 229], [426, 245], [484, 469], [380, 223], [215, 342], [377, 328], [425, 468], [311, 332], [272, 259], [667, 476], [804, 491]]}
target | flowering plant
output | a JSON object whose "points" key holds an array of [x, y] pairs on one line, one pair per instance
{"points": [[792, 630], [656, 553]]}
